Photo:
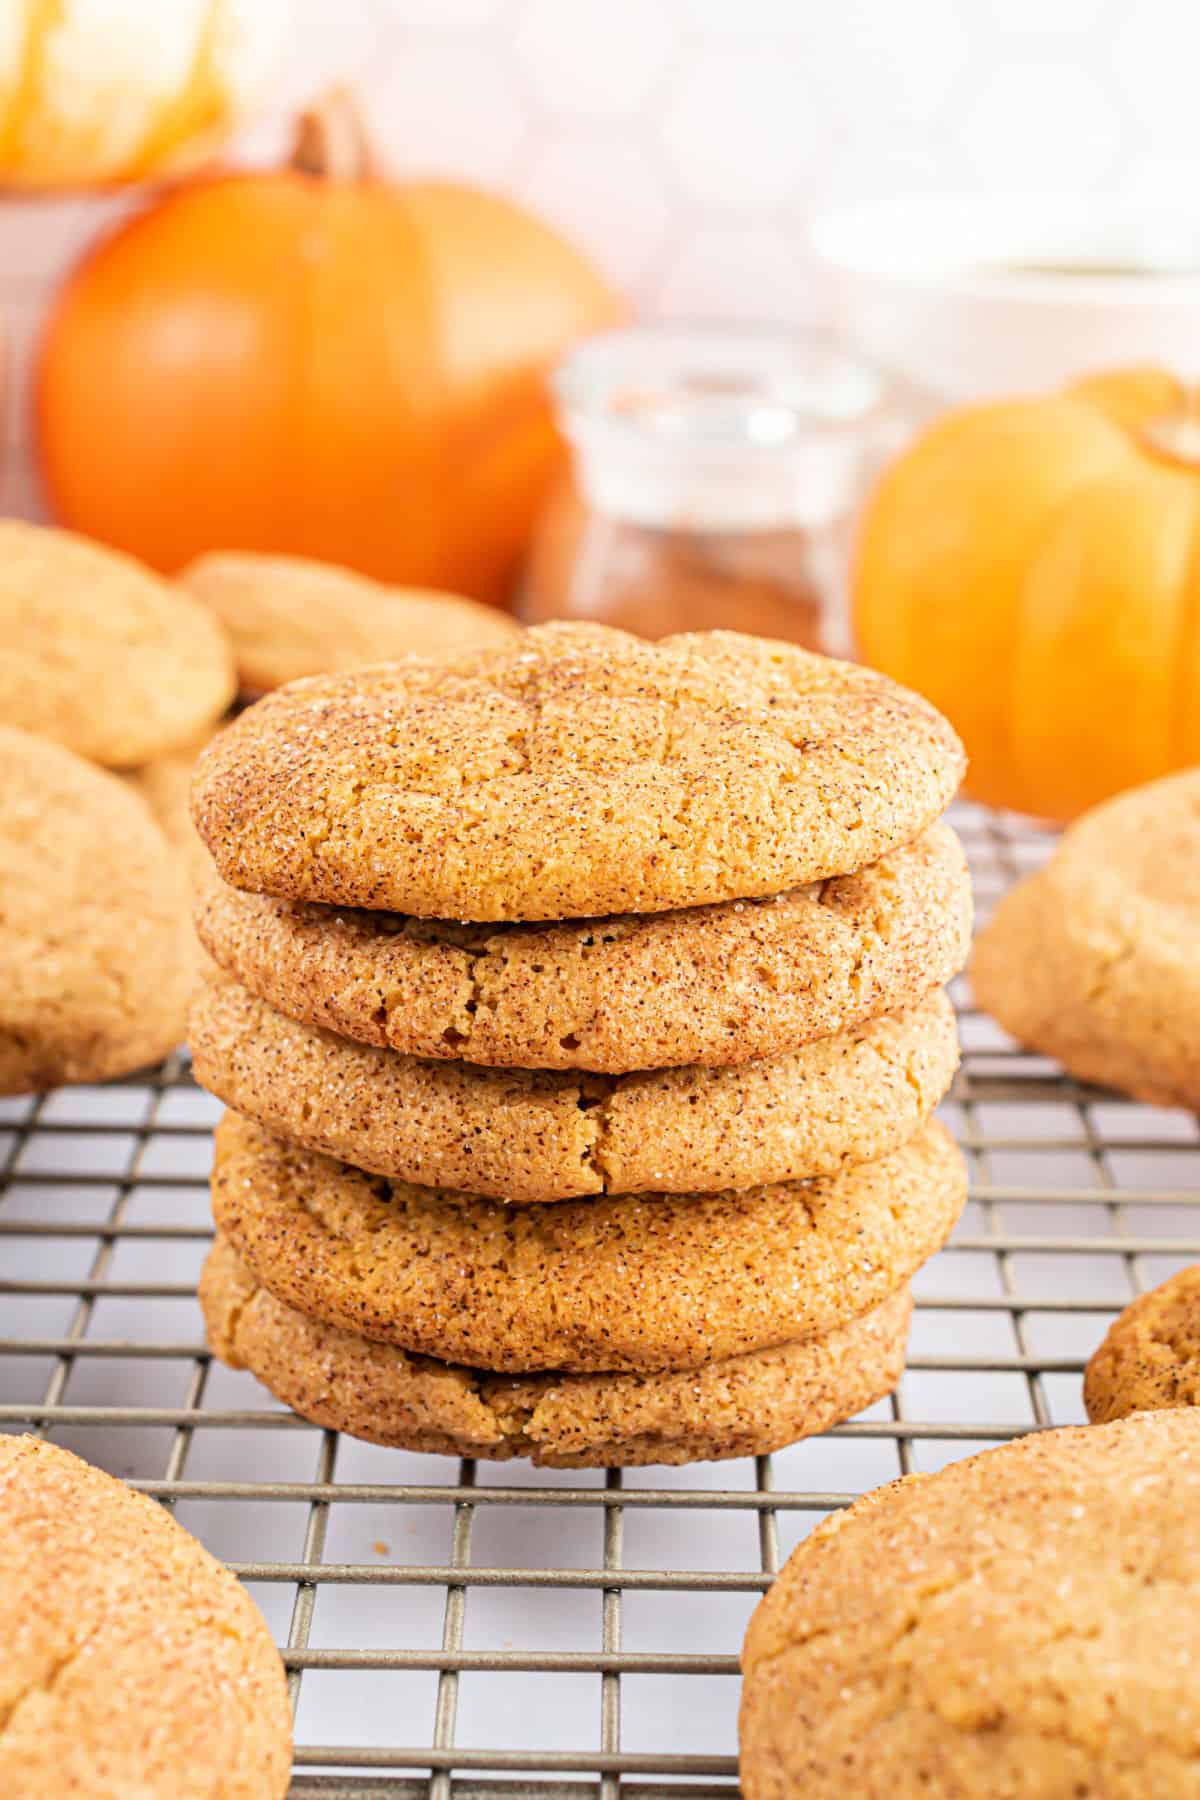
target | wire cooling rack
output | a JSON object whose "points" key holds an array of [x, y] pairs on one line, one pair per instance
{"points": [[501, 1630]]}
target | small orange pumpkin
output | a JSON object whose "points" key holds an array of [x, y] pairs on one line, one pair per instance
{"points": [[315, 361], [1033, 566]]}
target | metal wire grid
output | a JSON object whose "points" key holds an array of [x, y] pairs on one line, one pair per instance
{"points": [[497, 1629]]}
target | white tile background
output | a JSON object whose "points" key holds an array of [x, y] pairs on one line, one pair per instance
{"points": [[687, 142]]}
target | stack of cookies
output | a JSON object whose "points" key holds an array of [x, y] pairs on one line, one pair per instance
{"points": [[578, 1006]]}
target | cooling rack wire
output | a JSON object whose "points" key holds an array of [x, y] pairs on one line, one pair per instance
{"points": [[495, 1630]]}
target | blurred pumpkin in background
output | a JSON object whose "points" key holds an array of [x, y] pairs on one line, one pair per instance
{"points": [[92, 93], [1033, 566], [317, 361]]}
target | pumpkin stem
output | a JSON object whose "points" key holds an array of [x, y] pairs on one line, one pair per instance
{"points": [[332, 141]]}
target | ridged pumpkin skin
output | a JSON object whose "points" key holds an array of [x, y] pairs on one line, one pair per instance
{"points": [[94, 94], [1033, 566], [341, 369]]}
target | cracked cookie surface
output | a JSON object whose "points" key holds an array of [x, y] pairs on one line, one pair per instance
{"points": [[133, 1663], [716, 985], [580, 773], [745, 1406], [289, 616], [1022, 1624], [1095, 960], [1150, 1356], [533, 1136], [629, 1281], [101, 654], [96, 948]]}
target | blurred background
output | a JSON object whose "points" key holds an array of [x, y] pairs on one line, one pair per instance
{"points": [[646, 314], [687, 144]]}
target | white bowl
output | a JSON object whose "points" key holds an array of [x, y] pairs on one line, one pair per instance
{"points": [[968, 295]]}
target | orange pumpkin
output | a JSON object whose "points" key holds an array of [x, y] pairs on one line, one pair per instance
{"points": [[314, 360], [1034, 567]]}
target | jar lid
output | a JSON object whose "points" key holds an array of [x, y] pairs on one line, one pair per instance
{"points": [[720, 428]]}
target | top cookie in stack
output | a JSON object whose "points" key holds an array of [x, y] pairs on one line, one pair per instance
{"points": [[581, 772], [582, 916]]}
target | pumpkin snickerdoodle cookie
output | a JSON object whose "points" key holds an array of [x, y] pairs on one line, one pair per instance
{"points": [[165, 786], [1150, 1358], [101, 654], [630, 1281], [1024, 1623], [288, 616], [745, 1405], [580, 773], [96, 948], [716, 985], [1095, 960], [549, 1135], [133, 1663]]}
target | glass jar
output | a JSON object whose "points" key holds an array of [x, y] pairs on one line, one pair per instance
{"points": [[714, 473]]}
